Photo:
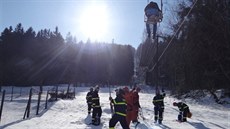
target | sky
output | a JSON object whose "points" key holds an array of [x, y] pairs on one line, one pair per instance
{"points": [[99, 20], [73, 114]]}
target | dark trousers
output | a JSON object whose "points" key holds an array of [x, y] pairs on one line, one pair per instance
{"points": [[96, 115], [89, 107], [122, 119], [149, 30], [158, 112], [183, 115]]}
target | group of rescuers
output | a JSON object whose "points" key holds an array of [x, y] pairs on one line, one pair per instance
{"points": [[126, 104], [126, 107]]}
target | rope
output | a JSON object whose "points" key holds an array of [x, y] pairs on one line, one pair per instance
{"points": [[172, 38]]}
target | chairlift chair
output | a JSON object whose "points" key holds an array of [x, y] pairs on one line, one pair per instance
{"points": [[153, 19]]}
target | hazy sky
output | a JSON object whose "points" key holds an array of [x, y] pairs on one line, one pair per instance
{"points": [[99, 20]]}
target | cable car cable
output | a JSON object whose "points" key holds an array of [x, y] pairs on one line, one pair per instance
{"points": [[172, 37]]}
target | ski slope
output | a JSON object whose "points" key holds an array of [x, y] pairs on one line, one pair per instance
{"points": [[72, 114]]}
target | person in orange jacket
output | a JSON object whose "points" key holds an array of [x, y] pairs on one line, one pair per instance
{"points": [[129, 101], [136, 104]]}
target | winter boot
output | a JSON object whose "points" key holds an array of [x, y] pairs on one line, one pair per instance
{"points": [[184, 120], [159, 121], [97, 121], [179, 117]]}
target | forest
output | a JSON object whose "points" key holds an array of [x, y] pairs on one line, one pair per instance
{"points": [[197, 54], [45, 57]]}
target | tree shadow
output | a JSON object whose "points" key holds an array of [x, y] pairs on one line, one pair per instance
{"points": [[12, 123], [213, 124], [32, 116], [164, 126], [142, 126], [88, 120], [217, 125], [198, 125]]}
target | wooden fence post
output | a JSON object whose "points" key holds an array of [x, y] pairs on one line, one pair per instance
{"points": [[74, 92], [67, 92], [56, 92], [27, 111], [20, 91], [47, 99], [39, 99], [12, 92], [3, 98]]}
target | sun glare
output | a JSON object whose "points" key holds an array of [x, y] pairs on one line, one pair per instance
{"points": [[94, 21]]}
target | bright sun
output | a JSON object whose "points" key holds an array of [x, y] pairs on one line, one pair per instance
{"points": [[94, 22]]}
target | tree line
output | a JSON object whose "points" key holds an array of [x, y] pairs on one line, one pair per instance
{"points": [[45, 57], [199, 55]]}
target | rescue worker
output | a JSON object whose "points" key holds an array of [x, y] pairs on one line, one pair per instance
{"points": [[96, 107], [184, 111], [152, 9], [134, 88], [89, 100], [129, 101], [158, 102], [120, 108], [136, 104]]}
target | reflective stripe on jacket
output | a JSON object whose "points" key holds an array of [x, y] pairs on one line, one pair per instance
{"points": [[119, 106]]}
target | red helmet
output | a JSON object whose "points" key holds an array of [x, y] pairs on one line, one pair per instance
{"points": [[174, 103]]}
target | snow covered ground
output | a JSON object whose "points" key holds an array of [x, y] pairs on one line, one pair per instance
{"points": [[72, 114]]}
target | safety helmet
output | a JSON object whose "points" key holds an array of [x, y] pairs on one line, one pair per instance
{"points": [[97, 88], [174, 103], [138, 89], [121, 91], [157, 92], [126, 89], [91, 89]]}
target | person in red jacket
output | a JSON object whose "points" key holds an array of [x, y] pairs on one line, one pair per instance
{"points": [[136, 104], [129, 101]]}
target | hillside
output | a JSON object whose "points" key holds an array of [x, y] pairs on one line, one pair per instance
{"points": [[72, 114]]}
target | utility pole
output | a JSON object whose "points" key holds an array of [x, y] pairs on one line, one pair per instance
{"points": [[157, 56], [161, 6]]}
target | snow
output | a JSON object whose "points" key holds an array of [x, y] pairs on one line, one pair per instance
{"points": [[72, 114]]}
